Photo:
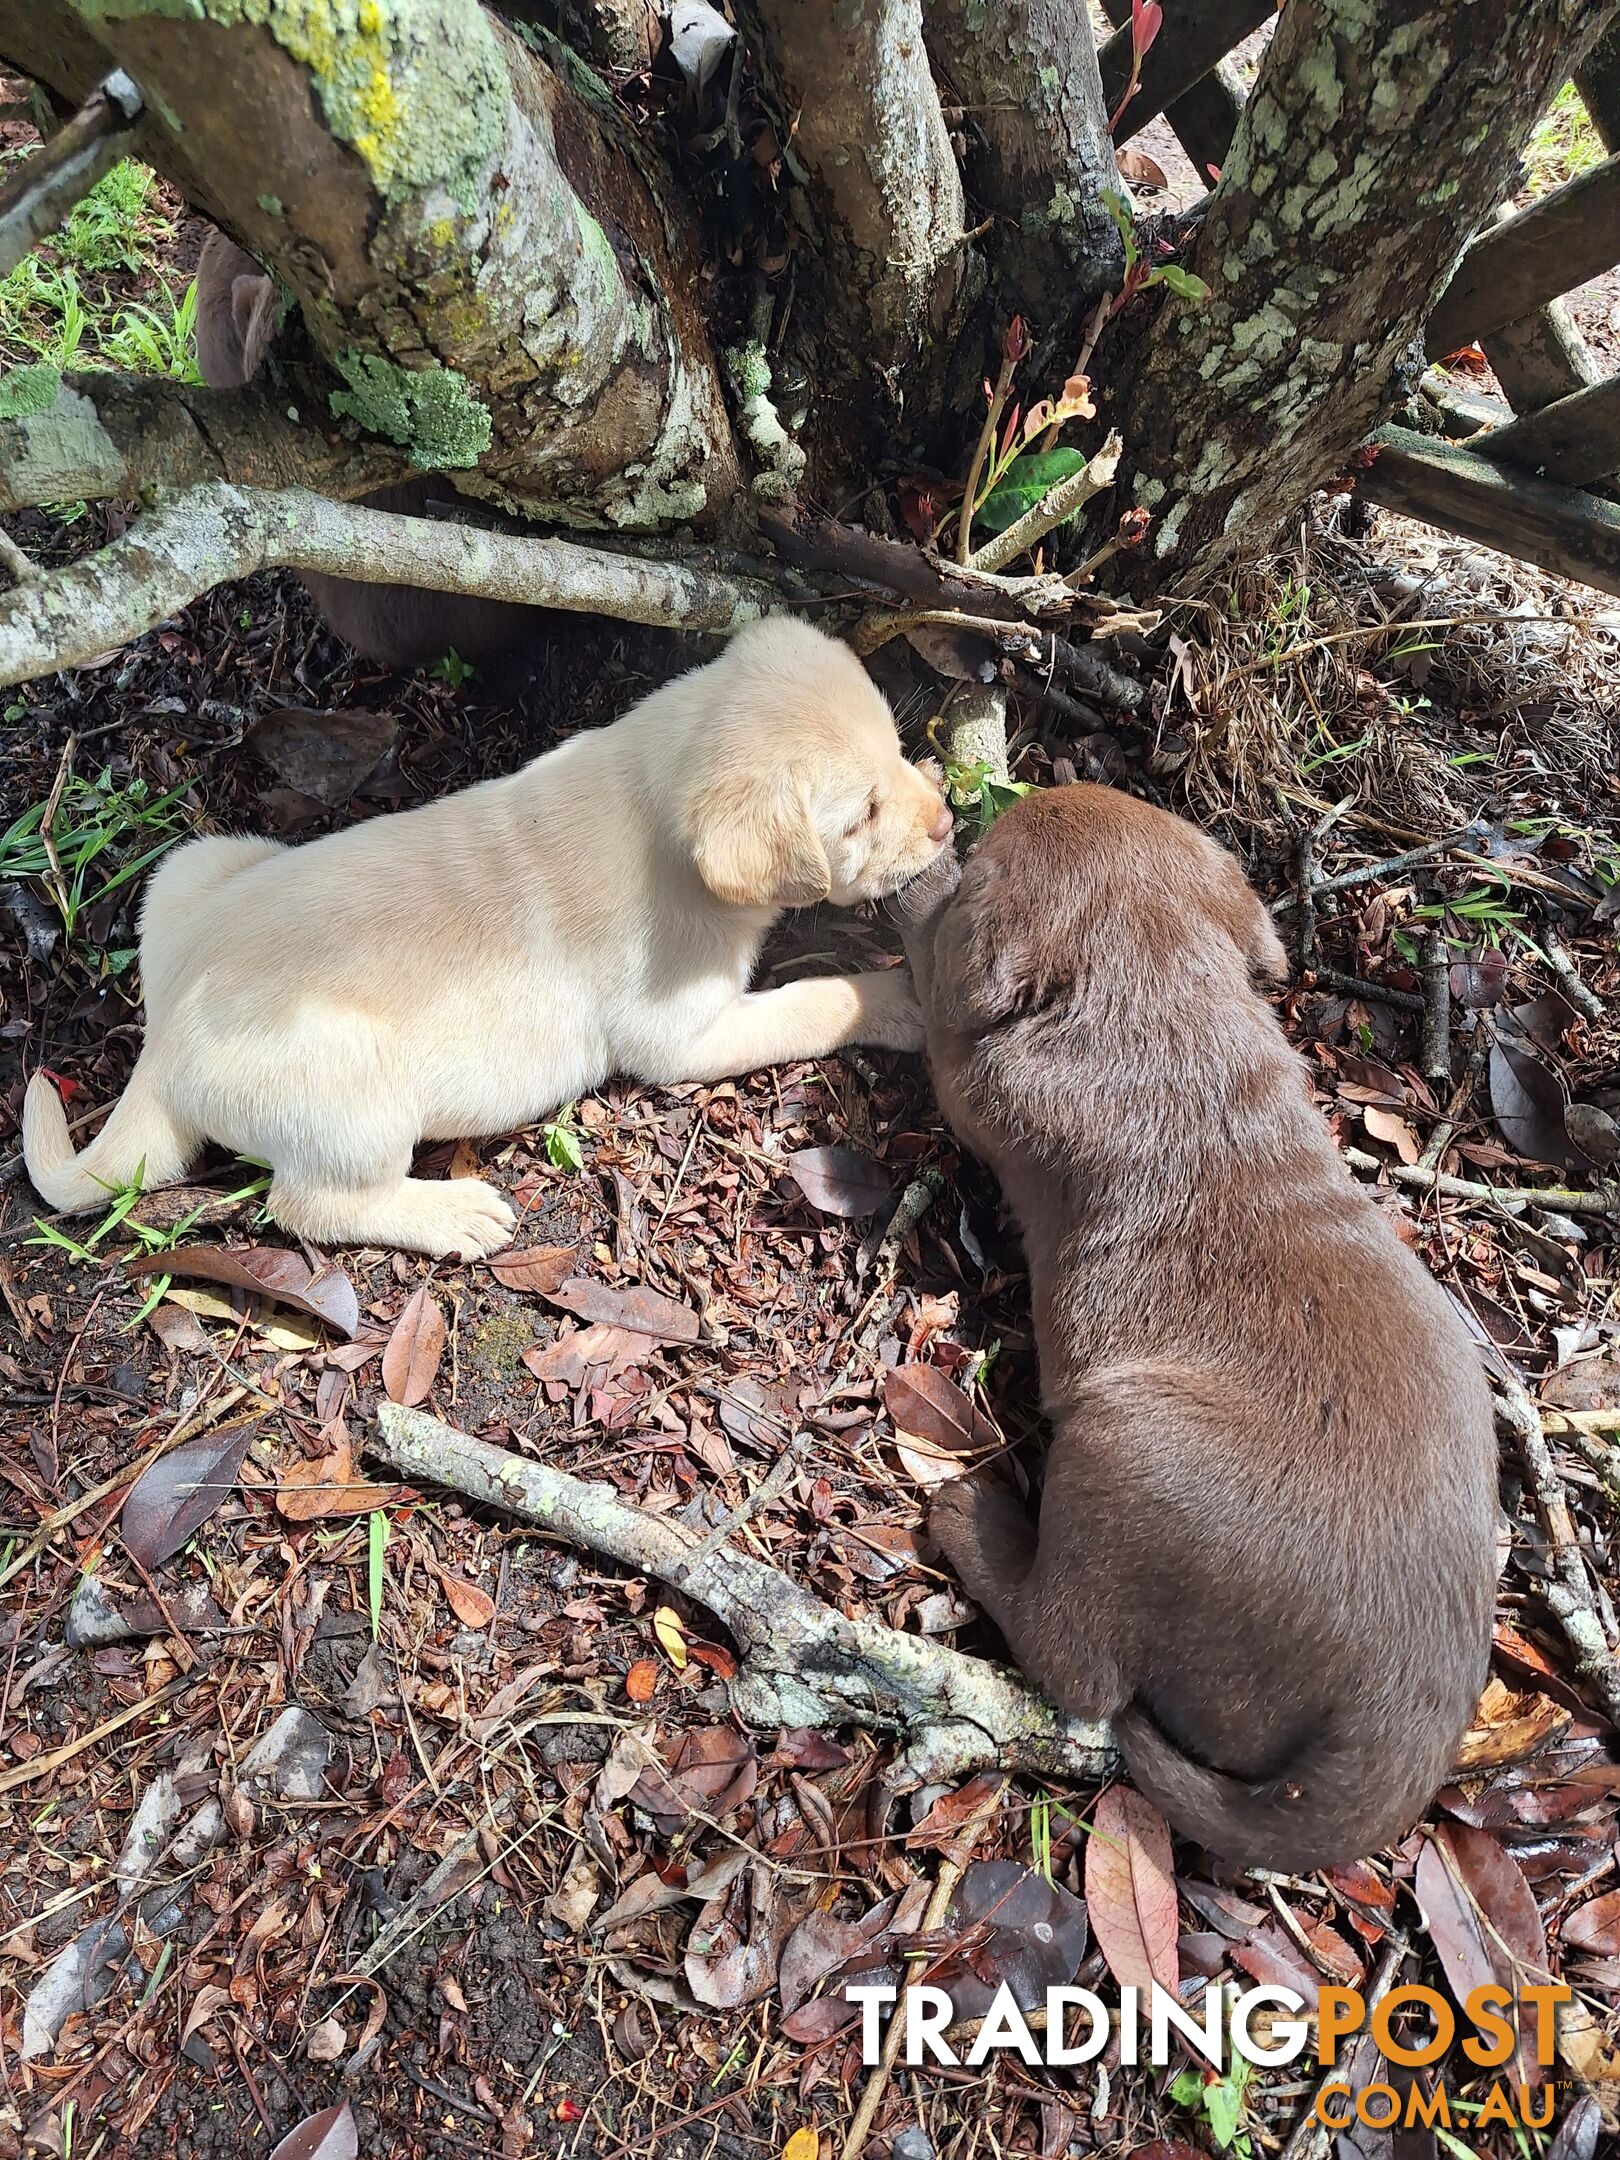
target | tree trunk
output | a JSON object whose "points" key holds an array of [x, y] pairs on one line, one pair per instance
{"points": [[1379, 137], [471, 240]]}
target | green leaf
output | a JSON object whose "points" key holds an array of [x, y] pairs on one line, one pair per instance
{"points": [[563, 1150], [1023, 484], [1181, 282]]}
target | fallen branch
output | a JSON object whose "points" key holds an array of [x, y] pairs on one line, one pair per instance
{"points": [[1568, 1592], [803, 1663], [181, 550], [1559, 1199]]}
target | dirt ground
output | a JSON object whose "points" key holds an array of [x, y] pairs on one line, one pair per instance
{"points": [[323, 1795]]}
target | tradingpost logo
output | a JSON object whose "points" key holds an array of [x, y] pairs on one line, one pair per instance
{"points": [[1269, 2026]]}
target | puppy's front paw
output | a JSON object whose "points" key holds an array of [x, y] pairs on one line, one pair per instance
{"points": [[925, 894], [470, 1220], [890, 1016], [982, 1530]]}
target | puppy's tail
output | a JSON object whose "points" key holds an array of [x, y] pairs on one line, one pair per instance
{"points": [[1318, 1813], [141, 1139]]}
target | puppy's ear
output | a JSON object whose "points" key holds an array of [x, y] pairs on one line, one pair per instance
{"points": [[984, 970], [757, 845]]}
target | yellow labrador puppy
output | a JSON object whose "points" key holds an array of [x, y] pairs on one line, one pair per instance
{"points": [[462, 968]]}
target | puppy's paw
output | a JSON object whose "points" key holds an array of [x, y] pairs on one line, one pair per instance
{"points": [[982, 1530], [925, 894], [470, 1220], [889, 1016]]}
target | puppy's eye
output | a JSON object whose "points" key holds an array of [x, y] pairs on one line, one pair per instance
{"points": [[865, 818]]}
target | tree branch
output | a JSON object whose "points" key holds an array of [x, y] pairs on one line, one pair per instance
{"points": [[113, 437], [803, 1663], [218, 532], [1039, 155], [475, 247], [892, 272], [42, 189]]}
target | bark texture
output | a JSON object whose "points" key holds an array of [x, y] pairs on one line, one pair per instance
{"points": [[890, 271], [1039, 153], [472, 243], [1379, 137]]}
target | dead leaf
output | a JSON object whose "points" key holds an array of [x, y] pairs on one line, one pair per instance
{"points": [[821, 1944], [411, 1359], [325, 755], [1139, 169], [804, 2144], [206, 2002], [581, 1354], [935, 1424], [307, 1491], [267, 1271], [641, 1681], [671, 1636], [331, 2135], [178, 1330], [1595, 1926], [1483, 1921], [1131, 1890], [574, 1900], [1026, 1933], [712, 1771], [1527, 1101], [732, 1950], [173, 1497], [840, 1181], [473, 1607], [636, 1310], [540, 1268], [1394, 1132], [1482, 981]]}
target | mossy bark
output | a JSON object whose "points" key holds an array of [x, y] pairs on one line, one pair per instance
{"points": [[471, 240], [1378, 139]]}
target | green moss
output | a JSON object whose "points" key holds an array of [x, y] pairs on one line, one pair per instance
{"points": [[417, 87], [749, 369], [494, 1349], [31, 389], [270, 205], [433, 411]]}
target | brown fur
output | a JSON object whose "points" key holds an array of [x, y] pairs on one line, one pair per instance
{"points": [[1266, 1542], [400, 625]]}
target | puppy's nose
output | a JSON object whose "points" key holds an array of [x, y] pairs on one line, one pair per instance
{"points": [[943, 822]]}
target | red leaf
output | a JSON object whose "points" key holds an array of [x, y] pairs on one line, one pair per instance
{"points": [[173, 1497], [636, 1309], [331, 2135], [1595, 1926], [1131, 1890], [840, 1181], [414, 1350]]}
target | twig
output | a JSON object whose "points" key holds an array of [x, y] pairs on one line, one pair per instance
{"points": [[918, 1197], [1011, 353], [1311, 2139], [1098, 677], [1568, 1595], [1563, 964], [1307, 901], [1358, 986], [953, 1865], [1435, 1034], [1440, 1139], [878, 628], [765, 1494], [1393, 865], [1559, 1199], [1055, 505], [803, 1663], [43, 188], [195, 541], [43, 1765]]}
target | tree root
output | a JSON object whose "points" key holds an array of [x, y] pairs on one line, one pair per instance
{"points": [[180, 550], [803, 1663]]}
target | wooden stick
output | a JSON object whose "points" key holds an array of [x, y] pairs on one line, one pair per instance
{"points": [[953, 1866]]}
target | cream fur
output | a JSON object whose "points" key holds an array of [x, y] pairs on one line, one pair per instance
{"points": [[462, 968]]}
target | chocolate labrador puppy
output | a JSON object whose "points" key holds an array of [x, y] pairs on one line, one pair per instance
{"points": [[1267, 1536], [400, 625]]}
